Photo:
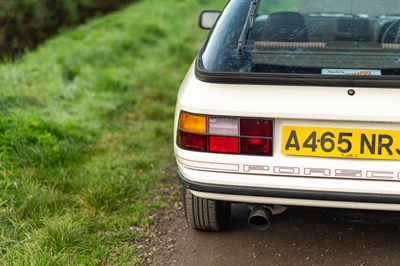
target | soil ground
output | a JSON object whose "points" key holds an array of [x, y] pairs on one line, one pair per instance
{"points": [[299, 236]]}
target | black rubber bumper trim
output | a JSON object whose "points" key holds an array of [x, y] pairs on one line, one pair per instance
{"points": [[289, 193]]}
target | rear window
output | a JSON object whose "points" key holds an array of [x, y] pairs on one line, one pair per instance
{"points": [[350, 39]]}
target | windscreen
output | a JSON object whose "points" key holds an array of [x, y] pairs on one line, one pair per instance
{"points": [[319, 37]]}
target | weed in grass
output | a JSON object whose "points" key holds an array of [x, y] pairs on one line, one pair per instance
{"points": [[65, 234]]}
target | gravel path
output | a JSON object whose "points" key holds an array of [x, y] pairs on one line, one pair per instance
{"points": [[299, 236]]}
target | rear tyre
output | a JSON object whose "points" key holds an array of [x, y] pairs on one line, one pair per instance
{"points": [[204, 214]]}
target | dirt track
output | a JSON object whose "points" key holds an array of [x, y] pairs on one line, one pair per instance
{"points": [[299, 236]]}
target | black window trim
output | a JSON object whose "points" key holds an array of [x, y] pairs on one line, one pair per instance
{"points": [[291, 79]]}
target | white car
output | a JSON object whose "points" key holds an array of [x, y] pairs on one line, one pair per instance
{"points": [[291, 103]]}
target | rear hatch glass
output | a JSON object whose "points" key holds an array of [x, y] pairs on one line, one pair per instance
{"points": [[346, 39]]}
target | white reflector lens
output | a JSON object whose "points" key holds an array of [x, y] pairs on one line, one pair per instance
{"points": [[224, 126]]}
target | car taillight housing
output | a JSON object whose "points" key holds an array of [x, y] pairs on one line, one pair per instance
{"points": [[229, 135]]}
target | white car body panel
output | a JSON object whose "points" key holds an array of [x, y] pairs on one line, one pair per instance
{"points": [[333, 107], [298, 202], [317, 103]]}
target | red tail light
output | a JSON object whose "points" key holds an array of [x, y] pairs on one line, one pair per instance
{"points": [[256, 146], [194, 142], [256, 127], [224, 144], [230, 135]]}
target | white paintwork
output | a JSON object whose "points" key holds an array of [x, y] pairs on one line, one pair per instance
{"points": [[369, 108], [299, 202]]}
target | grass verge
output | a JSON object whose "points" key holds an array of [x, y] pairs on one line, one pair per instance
{"points": [[86, 134], [26, 23]]}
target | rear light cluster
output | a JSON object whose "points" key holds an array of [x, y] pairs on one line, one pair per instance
{"points": [[230, 135]]}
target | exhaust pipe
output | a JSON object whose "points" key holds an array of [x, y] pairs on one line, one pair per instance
{"points": [[260, 217]]}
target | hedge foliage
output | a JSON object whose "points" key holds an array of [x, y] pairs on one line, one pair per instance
{"points": [[26, 23]]}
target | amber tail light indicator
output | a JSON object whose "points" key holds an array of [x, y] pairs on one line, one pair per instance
{"points": [[228, 135]]}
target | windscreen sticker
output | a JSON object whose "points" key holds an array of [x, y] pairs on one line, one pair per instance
{"points": [[351, 72]]}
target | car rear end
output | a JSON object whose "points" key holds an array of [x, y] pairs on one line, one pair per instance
{"points": [[298, 137]]}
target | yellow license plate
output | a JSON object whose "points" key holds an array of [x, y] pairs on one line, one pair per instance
{"points": [[341, 142]]}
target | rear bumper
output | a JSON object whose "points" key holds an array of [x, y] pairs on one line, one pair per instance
{"points": [[264, 195]]}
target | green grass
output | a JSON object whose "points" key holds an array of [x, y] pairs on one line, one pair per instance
{"points": [[86, 134], [26, 23]]}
